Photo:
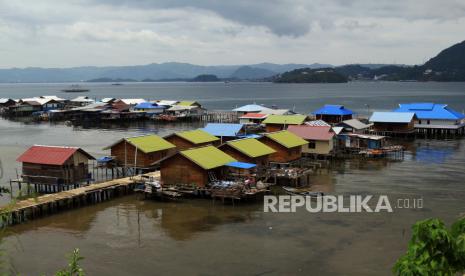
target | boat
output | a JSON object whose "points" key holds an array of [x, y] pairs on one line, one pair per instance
{"points": [[75, 89], [302, 192], [116, 83]]}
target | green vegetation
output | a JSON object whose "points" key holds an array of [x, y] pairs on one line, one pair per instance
{"points": [[307, 75], [205, 78], [73, 269], [434, 250]]}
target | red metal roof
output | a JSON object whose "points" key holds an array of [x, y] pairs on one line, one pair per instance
{"points": [[49, 155], [321, 133], [254, 116]]}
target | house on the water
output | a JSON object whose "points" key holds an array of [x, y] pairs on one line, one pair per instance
{"points": [[192, 138], [287, 145], [333, 113], [225, 131], [195, 167], [150, 108], [4, 103], [250, 108], [141, 151], [281, 122], [252, 118], [353, 126], [126, 104], [320, 139], [55, 165], [81, 101], [249, 150], [435, 118], [359, 141], [386, 123]]}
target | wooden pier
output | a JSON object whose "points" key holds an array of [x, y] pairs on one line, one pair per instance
{"points": [[29, 209]]}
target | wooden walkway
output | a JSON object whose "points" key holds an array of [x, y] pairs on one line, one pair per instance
{"points": [[28, 209]]}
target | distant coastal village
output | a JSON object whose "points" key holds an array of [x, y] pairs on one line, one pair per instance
{"points": [[238, 155]]}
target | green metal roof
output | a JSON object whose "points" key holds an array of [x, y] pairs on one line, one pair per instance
{"points": [[285, 119], [150, 143], [208, 157], [286, 138], [187, 103], [197, 136], [251, 147]]}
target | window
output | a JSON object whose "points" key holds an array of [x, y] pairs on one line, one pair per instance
{"points": [[428, 122], [419, 122], [311, 144]]}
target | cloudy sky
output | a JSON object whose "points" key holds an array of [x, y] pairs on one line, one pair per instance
{"points": [[68, 33]]}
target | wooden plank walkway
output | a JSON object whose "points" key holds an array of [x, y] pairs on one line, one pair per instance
{"points": [[31, 208]]}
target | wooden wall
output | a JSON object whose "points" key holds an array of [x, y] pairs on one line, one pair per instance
{"points": [[124, 153], [394, 127], [274, 127], [182, 144], [282, 154], [178, 170], [239, 156], [332, 119]]}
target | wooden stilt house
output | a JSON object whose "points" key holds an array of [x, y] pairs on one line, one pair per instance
{"points": [[287, 145], [193, 138], [248, 150], [55, 165], [195, 167], [140, 151]]}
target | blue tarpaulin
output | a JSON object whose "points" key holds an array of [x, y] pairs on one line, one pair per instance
{"points": [[104, 159], [241, 165]]}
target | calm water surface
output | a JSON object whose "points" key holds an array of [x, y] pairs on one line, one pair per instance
{"points": [[129, 236]]}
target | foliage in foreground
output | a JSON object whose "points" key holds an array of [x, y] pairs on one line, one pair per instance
{"points": [[434, 250], [73, 269]]}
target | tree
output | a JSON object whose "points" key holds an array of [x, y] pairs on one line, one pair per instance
{"points": [[434, 250]]}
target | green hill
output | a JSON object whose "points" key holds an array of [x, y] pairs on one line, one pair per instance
{"points": [[307, 75]]}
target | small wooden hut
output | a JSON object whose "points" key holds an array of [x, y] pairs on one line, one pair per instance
{"points": [[287, 145], [55, 165], [193, 138], [141, 151], [281, 122], [249, 150], [196, 167], [393, 122]]}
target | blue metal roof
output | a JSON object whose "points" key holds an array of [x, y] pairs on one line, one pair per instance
{"points": [[392, 117], [147, 105], [241, 165], [330, 109], [431, 111], [225, 130]]}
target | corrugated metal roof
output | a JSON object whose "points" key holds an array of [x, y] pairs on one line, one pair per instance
{"points": [[225, 130], [354, 123], [286, 139], [132, 101], [285, 119], [330, 109], [251, 108], [254, 116], [251, 147], [392, 117], [317, 123], [241, 165], [150, 143], [208, 157], [187, 103], [431, 111], [146, 143], [49, 155], [148, 105], [197, 136], [320, 133]]}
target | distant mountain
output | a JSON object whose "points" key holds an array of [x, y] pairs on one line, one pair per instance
{"points": [[153, 71], [252, 73], [308, 75], [111, 80]]}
